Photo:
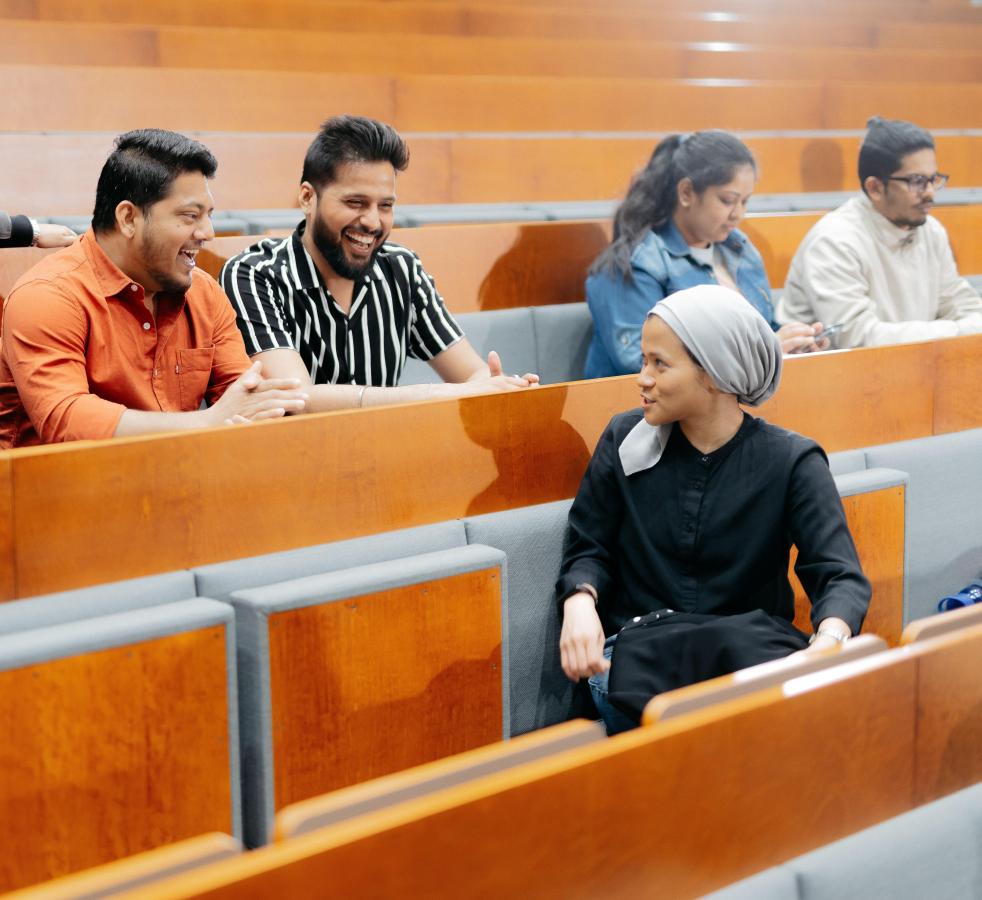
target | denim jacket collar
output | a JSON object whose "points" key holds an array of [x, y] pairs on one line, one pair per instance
{"points": [[676, 246]]}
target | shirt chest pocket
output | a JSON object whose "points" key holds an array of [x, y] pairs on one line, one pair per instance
{"points": [[193, 374]]}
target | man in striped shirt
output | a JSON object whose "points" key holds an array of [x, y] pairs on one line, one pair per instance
{"points": [[338, 306]]}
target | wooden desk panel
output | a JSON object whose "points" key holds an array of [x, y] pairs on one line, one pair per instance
{"points": [[876, 520], [136, 506], [881, 399], [739, 778], [56, 173], [381, 682], [949, 714], [153, 865], [110, 753], [132, 507]]}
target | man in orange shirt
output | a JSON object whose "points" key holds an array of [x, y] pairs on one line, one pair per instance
{"points": [[120, 334]]}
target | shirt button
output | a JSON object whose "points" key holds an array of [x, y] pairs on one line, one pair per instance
{"points": [[133, 287], [146, 326], [705, 459]]}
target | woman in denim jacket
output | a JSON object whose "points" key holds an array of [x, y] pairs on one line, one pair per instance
{"points": [[677, 229]]}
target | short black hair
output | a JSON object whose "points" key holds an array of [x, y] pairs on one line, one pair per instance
{"points": [[351, 139], [886, 143], [142, 167]]}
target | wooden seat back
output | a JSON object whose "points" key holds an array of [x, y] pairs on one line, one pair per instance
{"points": [[739, 778], [941, 624], [113, 751], [135, 872], [747, 681], [309, 815], [949, 712]]}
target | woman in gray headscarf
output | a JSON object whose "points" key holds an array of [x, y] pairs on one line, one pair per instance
{"points": [[690, 504]]}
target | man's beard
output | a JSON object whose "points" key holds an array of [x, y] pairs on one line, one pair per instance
{"points": [[332, 251], [166, 282]]}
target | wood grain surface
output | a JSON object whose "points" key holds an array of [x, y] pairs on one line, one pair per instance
{"points": [[111, 753], [381, 682]]}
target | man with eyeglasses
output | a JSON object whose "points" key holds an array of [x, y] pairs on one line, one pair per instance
{"points": [[880, 264]]}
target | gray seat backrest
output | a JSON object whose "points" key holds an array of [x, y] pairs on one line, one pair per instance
{"points": [[943, 502], [221, 579], [847, 461], [101, 600], [562, 337], [134, 626], [532, 539], [253, 608], [932, 851], [508, 331]]}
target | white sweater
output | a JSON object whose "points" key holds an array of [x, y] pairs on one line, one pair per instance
{"points": [[887, 285]]}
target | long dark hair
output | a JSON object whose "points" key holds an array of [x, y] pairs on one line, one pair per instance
{"points": [[706, 158]]}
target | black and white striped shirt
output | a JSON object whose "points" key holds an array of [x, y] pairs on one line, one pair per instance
{"points": [[281, 301]]}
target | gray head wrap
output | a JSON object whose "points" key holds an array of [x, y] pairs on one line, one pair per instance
{"points": [[733, 343]]}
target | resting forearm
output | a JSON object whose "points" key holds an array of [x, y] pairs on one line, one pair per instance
{"points": [[331, 397], [135, 422]]}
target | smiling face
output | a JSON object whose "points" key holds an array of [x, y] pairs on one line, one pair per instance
{"points": [[673, 387], [170, 233], [895, 201], [351, 217], [709, 217]]}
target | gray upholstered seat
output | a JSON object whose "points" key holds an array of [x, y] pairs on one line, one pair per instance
{"points": [[101, 600], [932, 851], [253, 609], [944, 498], [532, 539], [508, 331], [221, 579]]}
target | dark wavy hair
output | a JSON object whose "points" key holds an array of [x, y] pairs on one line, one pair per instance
{"points": [[142, 167], [886, 143], [706, 158], [350, 139]]}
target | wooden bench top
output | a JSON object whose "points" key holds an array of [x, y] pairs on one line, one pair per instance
{"points": [[243, 100]]}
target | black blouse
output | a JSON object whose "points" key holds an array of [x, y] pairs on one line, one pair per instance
{"points": [[712, 533]]}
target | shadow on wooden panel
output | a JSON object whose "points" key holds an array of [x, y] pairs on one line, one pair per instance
{"points": [[545, 265], [375, 684], [514, 467]]}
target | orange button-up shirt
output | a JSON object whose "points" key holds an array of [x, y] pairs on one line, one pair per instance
{"points": [[79, 348]]}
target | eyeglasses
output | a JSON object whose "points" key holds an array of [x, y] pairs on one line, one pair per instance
{"points": [[918, 184]]}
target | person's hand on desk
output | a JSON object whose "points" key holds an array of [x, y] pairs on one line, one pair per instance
{"points": [[797, 337], [252, 398], [581, 642]]}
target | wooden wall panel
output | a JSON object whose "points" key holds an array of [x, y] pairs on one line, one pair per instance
{"points": [[739, 778], [957, 402], [430, 103], [111, 753], [183, 99], [378, 683], [930, 104], [56, 174], [203, 497], [8, 568], [949, 714], [885, 396], [876, 520], [188, 499]]}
